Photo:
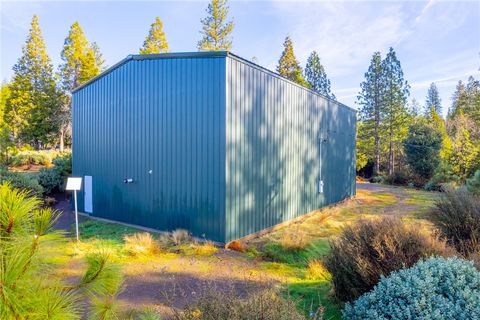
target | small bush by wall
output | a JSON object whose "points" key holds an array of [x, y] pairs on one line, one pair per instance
{"points": [[140, 244], [457, 215], [433, 289], [368, 250]]}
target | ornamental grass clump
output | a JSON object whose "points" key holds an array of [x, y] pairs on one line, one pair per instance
{"points": [[265, 305], [437, 288], [370, 249], [29, 288], [141, 244], [457, 216]]}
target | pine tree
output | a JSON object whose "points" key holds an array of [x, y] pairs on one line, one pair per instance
{"points": [[216, 29], [459, 100], [79, 59], [370, 98], [316, 76], [433, 100], [472, 109], [414, 108], [81, 62], [394, 112], [156, 41], [99, 59], [288, 65], [33, 102]]}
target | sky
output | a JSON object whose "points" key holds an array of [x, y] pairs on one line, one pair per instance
{"points": [[436, 41]]}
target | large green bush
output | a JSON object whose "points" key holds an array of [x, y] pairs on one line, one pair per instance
{"points": [[433, 289], [53, 179], [457, 216], [473, 184], [370, 249], [22, 180]]}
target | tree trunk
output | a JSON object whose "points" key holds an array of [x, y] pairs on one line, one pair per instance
{"points": [[391, 165], [62, 140], [376, 168]]}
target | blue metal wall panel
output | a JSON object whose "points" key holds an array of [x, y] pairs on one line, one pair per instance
{"points": [[232, 147], [273, 159], [163, 116]]}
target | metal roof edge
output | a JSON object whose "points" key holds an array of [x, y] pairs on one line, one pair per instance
{"points": [[200, 54], [273, 73], [103, 73], [166, 55]]}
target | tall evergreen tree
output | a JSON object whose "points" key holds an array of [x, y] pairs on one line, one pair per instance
{"points": [[288, 65], [33, 102], [79, 63], [394, 111], [216, 30], [459, 100], [316, 76], [472, 109], [99, 59], [414, 108], [433, 100], [370, 98], [156, 41], [5, 139]]}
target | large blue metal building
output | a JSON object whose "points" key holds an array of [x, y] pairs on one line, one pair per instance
{"points": [[209, 142]]}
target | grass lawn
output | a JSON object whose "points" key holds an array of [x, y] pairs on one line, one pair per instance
{"points": [[280, 259]]}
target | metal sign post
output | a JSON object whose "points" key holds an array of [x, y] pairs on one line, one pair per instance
{"points": [[75, 184]]}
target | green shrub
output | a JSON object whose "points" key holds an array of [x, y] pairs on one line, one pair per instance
{"points": [[22, 180], [433, 289], [457, 215], [31, 158], [473, 184], [218, 305], [422, 149], [370, 249], [399, 177], [53, 179], [377, 179]]}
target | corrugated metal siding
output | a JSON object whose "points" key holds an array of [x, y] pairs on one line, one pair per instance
{"points": [[273, 159], [166, 115]]}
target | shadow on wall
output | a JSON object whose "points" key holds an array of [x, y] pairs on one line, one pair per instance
{"points": [[274, 161]]}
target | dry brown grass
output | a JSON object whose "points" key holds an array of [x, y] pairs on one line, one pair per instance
{"points": [[316, 270], [294, 239], [265, 305], [141, 244]]}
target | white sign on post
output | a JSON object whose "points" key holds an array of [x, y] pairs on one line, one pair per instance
{"points": [[74, 184]]}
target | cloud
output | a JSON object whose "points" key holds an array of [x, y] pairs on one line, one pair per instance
{"points": [[424, 10], [16, 16], [344, 34]]}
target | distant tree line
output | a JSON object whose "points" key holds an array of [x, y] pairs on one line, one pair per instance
{"points": [[35, 105], [407, 143]]}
